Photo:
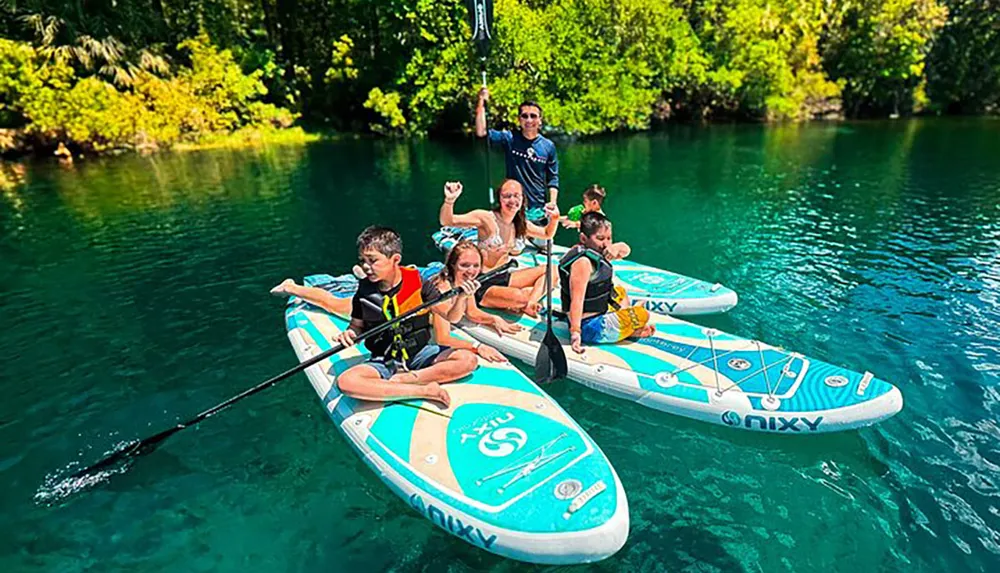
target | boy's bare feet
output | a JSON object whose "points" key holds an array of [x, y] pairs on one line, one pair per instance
{"points": [[645, 331], [435, 392], [282, 288], [531, 309]]}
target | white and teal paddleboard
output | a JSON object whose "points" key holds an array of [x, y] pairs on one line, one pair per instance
{"points": [[504, 468], [708, 375], [659, 291]]}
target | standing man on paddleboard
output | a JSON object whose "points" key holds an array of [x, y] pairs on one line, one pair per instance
{"points": [[530, 157]]}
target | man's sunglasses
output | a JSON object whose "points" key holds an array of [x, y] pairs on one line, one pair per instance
{"points": [[529, 116]]}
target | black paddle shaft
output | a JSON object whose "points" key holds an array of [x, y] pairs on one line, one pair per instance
{"points": [[147, 445], [550, 363], [548, 285]]}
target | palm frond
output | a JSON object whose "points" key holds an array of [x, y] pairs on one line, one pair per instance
{"points": [[84, 51], [44, 28], [50, 29], [119, 75], [112, 49], [59, 54], [152, 62], [35, 22]]}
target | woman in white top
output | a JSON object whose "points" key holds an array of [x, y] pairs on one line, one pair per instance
{"points": [[502, 232]]}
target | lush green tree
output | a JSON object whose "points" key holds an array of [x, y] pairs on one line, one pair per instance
{"points": [[771, 51], [878, 49], [964, 67], [436, 72], [596, 65], [210, 95], [407, 66]]}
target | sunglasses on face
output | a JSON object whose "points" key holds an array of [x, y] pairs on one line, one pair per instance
{"points": [[529, 116]]}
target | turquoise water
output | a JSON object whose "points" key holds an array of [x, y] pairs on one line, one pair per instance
{"points": [[135, 294]]}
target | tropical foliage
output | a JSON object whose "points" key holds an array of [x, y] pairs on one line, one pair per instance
{"points": [[131, 73], [210, 94]]}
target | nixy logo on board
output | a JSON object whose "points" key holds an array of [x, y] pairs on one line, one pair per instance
{"points": [[772, 423], [730, 418], [660, 306], [502, 442], [452, 524], [496, 440]]}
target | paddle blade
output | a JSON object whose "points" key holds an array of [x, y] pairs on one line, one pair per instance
{"points": [[127, 452], [481, 20], [550, 364]]}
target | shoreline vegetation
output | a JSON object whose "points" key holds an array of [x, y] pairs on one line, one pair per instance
{"points": [[144, 75]]}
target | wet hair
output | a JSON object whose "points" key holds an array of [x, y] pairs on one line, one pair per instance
{"points": [[381, 239], [450, 270], [529, 103], [595, 193], [520, 219], [592, 222]]}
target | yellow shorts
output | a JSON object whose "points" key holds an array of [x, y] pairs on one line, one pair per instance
{"points": [[615, 326]]}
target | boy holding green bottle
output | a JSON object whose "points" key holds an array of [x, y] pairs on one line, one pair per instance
{"points": [[593, 199]]}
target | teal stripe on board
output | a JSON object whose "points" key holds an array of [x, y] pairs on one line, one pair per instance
{"points": [[394, 427], [815, 395], [682, 391], [689, 387], [521, 517], [638, 361], [299, 319], [503, 378], [485, 477]]}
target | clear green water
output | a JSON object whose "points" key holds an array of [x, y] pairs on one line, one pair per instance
{"points": [[135, 293]]}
